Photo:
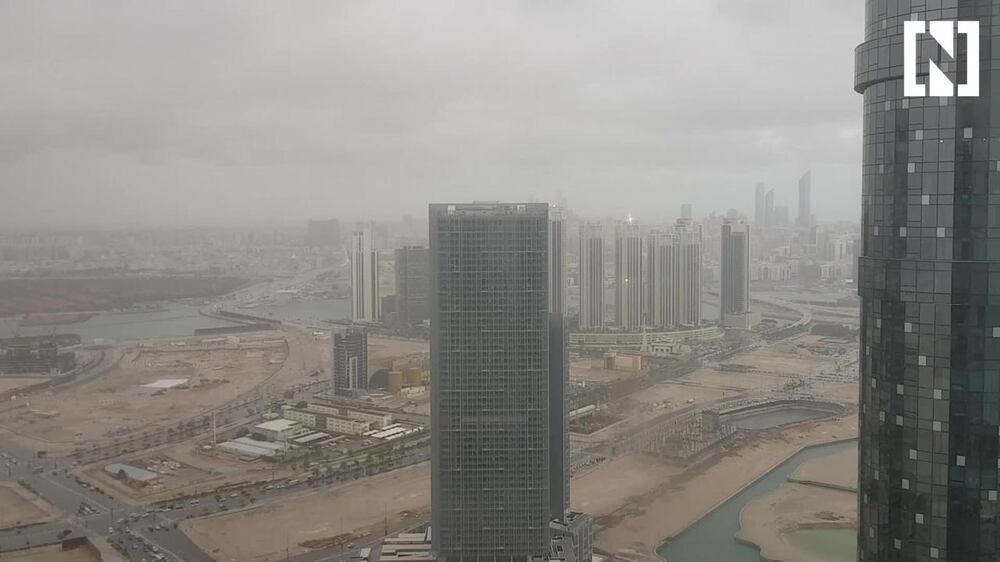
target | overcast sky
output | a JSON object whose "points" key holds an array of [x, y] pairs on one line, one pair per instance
{"points": [[193, 113]]}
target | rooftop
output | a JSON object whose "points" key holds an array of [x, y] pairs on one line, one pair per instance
{"points": [[277, 425]]}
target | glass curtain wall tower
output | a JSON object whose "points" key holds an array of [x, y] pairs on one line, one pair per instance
{"points": [[929, 282]]}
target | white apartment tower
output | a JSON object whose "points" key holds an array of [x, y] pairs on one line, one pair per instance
{"points": [[591, 275], [687, 271], [628, 275], [674, 276], [366, 307]]}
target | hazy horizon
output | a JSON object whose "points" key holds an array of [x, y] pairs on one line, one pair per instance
{"points": [[191, 114]]}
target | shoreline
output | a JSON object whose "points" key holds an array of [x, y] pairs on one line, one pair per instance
{"points": [[655, 551]]}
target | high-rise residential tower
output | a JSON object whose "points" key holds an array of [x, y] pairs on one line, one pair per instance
{"points": [[557, 265], [628, 275], [411, 284], [805, 200], [673, 276], [660, 305], [929, 282], [735, 287], [687, 272], [366, 305], [591, 275], [492, 337], [350, 361]]}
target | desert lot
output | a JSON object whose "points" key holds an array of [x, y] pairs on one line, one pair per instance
{"points": [[114, 404], [14, 383], [259, 534], [51, 554], [19, 507]]}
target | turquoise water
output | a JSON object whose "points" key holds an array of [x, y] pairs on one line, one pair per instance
{"points": [[767, 420], [830, 545], [711, 539]]}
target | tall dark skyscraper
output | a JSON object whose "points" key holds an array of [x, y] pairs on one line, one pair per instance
{"points": [[929, 281], [411, 284], [350, 361], [735, 272], [496, 462]]}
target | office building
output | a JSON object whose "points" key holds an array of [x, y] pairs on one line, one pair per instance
{"points": [[491, 460], [591, 275], [366, 305], [805, 200], [628, 275], [557, 261], [929, 284], [759, 202], [350, 361], [686, 211], [735, 274], [411, 284]]}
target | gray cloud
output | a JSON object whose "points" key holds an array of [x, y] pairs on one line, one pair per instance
{"points": [[192, 113]]}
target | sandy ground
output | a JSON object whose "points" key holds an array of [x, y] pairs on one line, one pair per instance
{"points": [[838, 470], [260, 534], [592, 370], [388, 353], [199, 472], [766, 520], [53, 554], [114, 403], [20, 507], [11, 383], [634, 475], [667, 506]]}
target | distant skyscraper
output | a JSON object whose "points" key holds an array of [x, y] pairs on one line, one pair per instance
{"points": [[411, 284], [805, 200], [350, 361], [628, 275], [686, 211], [929, 283], [491, 337], [769, 211], [557, 265], [366, 305], [591, 275], [735, 289], [759, 202]]}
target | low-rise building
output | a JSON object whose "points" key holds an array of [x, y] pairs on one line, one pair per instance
{"points": [[277, 430], [326, 421]]}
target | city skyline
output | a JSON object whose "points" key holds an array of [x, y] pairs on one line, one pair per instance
{"points": [[134, 145]]}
